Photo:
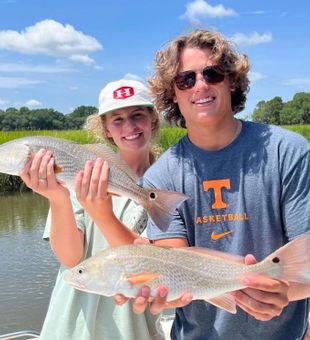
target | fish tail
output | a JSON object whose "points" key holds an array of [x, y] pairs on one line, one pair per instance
{"points": [[294, 259], [161, 205]]}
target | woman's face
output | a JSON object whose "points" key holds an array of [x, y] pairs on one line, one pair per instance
{"points": [[130, 127]]}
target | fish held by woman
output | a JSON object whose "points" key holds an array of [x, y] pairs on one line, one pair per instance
{"points": [[71, 157], [209, 275]]}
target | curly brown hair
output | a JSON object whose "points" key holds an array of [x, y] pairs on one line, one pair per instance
{"points": [[233, 64]]}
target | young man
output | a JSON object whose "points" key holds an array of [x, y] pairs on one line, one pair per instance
{"points": [[248, 185]]}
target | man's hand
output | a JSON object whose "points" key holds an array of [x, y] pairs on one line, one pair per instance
{"points": [[264, 298]]}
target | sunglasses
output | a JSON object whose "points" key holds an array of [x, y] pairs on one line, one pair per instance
{"points": [[187, 79]]}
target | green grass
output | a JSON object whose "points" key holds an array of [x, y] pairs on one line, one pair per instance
{"points": [[167, 136], [79, 136], [303, 130]]}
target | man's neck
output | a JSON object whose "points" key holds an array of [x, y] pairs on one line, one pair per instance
{"points": [[216, 137]]}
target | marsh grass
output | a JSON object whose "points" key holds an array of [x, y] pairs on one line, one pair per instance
{"points": [[78, 136], [303, 130]]}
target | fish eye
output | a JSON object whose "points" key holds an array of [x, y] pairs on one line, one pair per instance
{"points": [[275, 260], [80, 271], [152, 195]]}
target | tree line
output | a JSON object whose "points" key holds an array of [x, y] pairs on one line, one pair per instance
{"points": [[274, 111], [44, 119]]}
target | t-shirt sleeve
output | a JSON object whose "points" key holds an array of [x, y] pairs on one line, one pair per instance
{"points": [[78, 214], [154, 178], [296, 198], [135, 218]]}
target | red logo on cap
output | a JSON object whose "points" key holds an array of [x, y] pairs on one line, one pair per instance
{"points": [[123, 92]]}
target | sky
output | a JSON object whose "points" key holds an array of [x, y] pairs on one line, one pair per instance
{"points": [[60, 53]]}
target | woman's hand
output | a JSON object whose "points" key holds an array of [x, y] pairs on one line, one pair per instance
{"points": [[91, 186], [39, 176], [159, 302], [264, 298]]}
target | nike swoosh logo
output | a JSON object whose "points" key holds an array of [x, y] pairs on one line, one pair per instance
{"points": [[215, 236]]}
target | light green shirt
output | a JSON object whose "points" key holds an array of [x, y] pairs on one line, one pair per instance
{"points": [[76, 315]]}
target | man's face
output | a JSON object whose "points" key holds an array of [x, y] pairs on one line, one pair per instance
{"points": [[204, 103]]}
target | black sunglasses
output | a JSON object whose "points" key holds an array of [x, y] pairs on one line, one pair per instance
{"points": [[187, 79]]}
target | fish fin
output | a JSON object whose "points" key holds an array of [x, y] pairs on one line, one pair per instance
{"points": [[161, 205], [142, 278], [58, 169], [225, 301], [215, 253], [294, 259], [105, 152]]}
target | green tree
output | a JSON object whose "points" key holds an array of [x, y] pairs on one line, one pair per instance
{"points": [[268, 112], [77, 118], [46, 119]]}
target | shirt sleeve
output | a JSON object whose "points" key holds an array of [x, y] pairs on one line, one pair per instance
{"points": [[295, 198], [176, 228]]}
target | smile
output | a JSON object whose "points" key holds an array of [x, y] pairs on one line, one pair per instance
{"points": [[203, 101], [132, 137]]}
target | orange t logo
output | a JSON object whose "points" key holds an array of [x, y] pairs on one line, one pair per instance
{"points": [[217, 185]]}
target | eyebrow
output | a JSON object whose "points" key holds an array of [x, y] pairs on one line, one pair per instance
{"points": [[137, 109]]}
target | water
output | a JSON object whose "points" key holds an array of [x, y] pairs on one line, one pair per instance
{"points": [[28, 266]]}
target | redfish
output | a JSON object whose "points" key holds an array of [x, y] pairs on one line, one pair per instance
{"points": [[71, 157], [208, 275]]}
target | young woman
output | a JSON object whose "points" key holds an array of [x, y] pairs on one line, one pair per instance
{"points": [[82, 223]]}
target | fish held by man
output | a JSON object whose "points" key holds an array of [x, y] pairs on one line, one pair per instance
{"points": [[71, 157], [209, 275]]}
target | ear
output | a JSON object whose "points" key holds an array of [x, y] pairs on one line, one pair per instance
{"points": [[108, 134], [175, 99], [232, 87]]}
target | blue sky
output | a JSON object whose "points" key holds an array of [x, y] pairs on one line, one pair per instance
{"points": [[59, 54]]}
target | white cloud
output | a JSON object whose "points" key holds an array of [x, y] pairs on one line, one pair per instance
{"points": [[84, 59], [15, 82], [256, 76], [297, 81], [3, 101], [258, 12], [28, 68], [131, 76], [32, 103], [200, 9], [51, 38], [251, 39], [73, 88]]}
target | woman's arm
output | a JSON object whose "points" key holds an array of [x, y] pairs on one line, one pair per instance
{"points": [[66, 240]]}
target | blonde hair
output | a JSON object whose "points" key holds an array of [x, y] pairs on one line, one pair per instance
{"points": [[233, 64], [96, 125]]}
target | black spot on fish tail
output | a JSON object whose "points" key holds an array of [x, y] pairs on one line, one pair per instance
{"points": [[275, 260]]}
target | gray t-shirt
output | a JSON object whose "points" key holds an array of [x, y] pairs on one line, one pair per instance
{"points": [[252, 196]]}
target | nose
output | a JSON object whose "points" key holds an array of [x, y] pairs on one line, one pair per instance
{"points": [[200, 82], [129, 124]]}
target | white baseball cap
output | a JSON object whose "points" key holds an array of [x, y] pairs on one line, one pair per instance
{"points": [[123, 93]]}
